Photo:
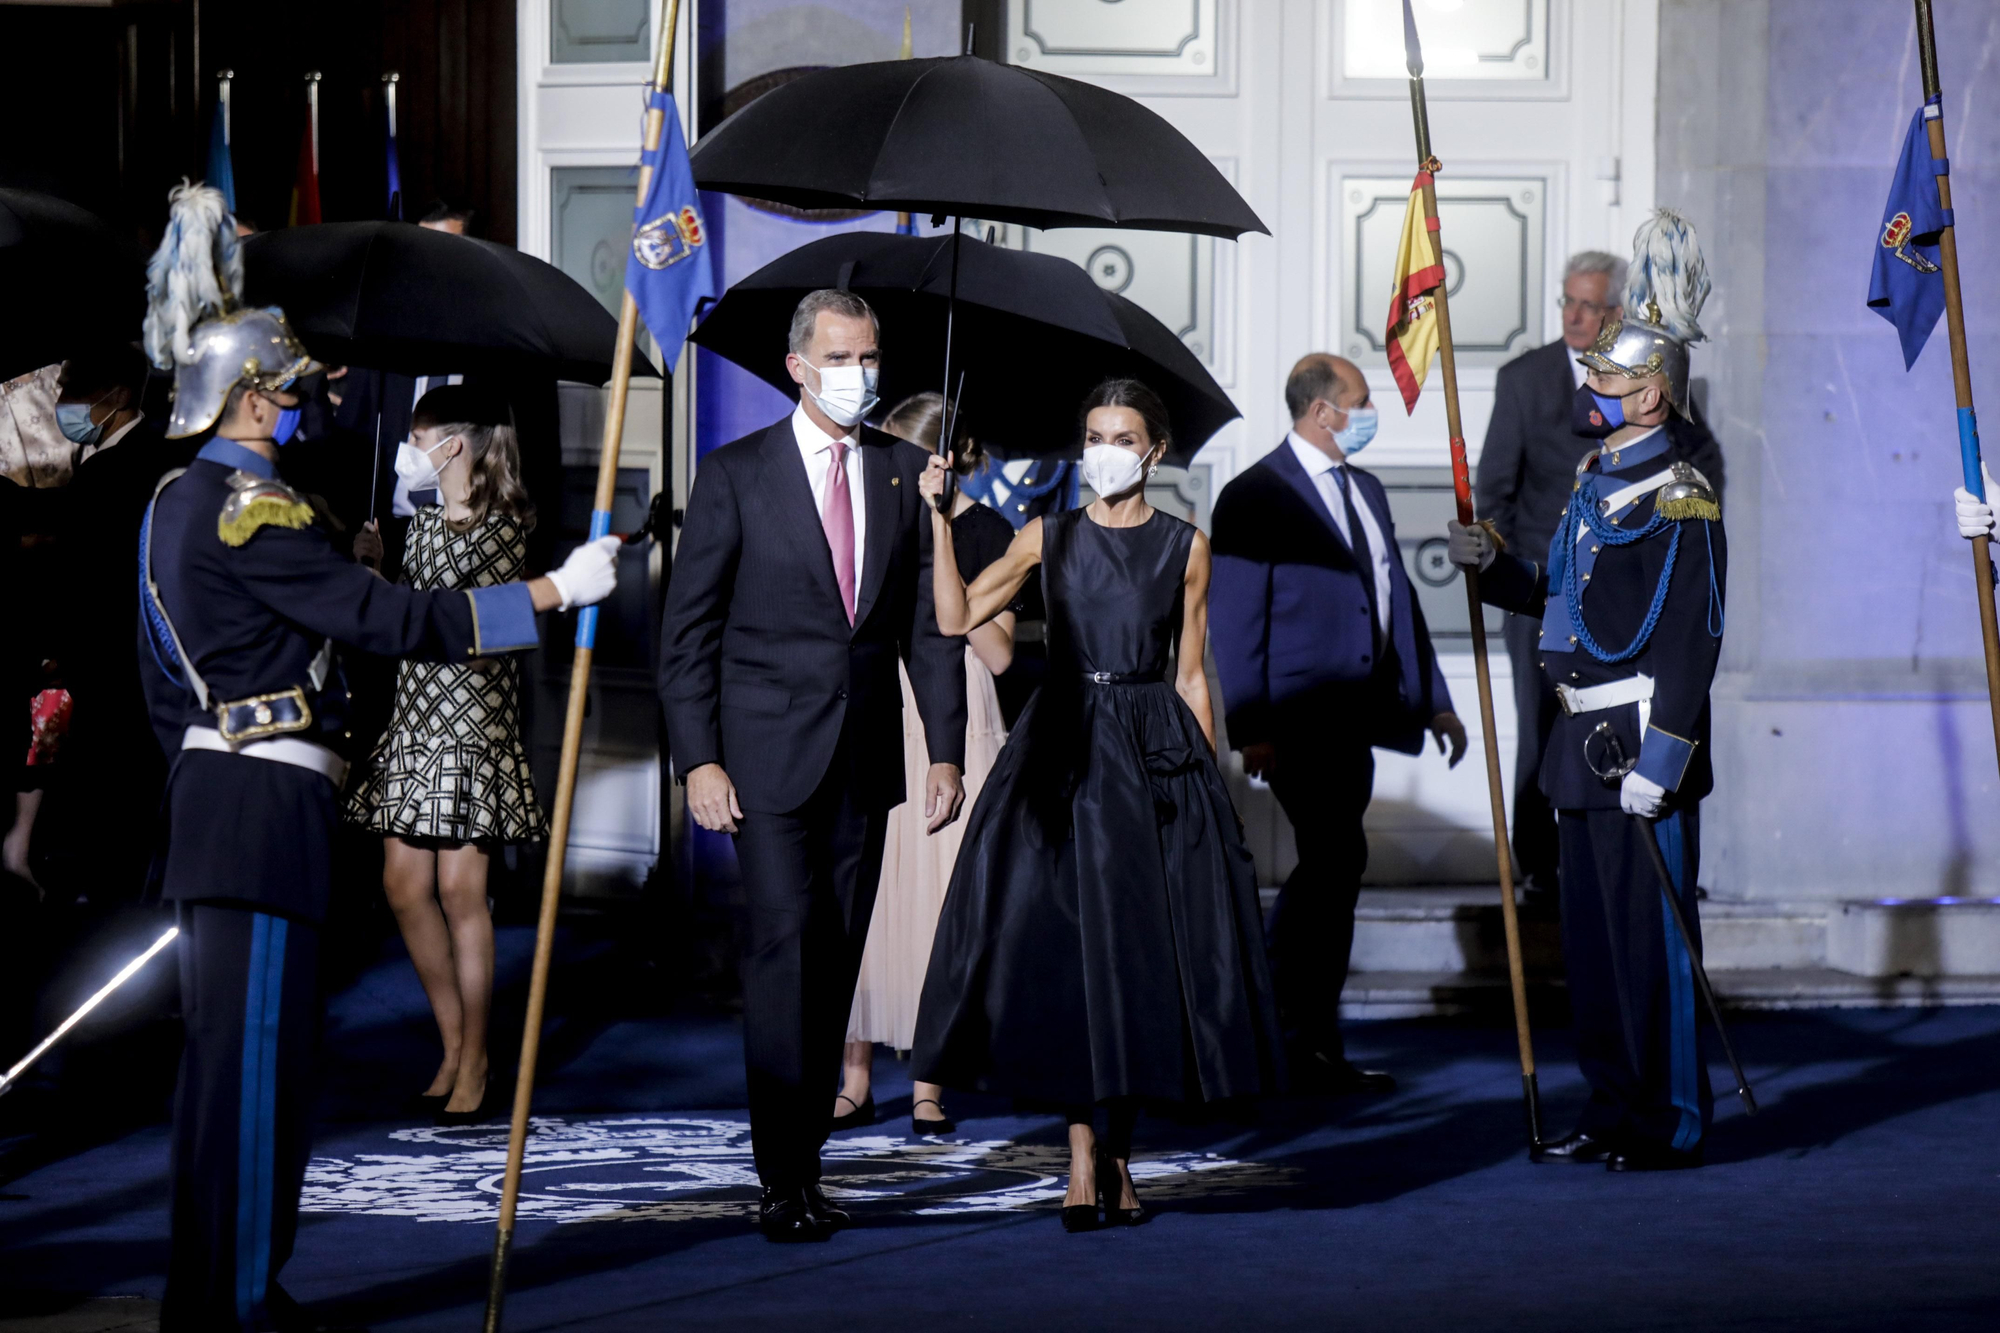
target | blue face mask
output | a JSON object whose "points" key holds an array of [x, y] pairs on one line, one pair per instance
{"points": [[1594, 416], [1361, 423], [73, 420], [288, 426]]}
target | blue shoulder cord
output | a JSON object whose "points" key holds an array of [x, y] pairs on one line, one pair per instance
{"points": [[1583, 509], [1717, 616], [157, 634]]}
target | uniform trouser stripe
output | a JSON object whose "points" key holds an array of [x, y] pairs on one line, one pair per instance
{"points": [[1683, 1050], [257, 1111]]}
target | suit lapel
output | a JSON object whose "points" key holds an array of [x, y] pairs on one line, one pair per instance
{"points": [[1287, 465], [877, 466], [799, 521]]}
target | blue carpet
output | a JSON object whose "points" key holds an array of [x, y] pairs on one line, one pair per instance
{"points": [[1864, 1198]]}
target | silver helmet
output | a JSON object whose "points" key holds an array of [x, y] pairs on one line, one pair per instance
{"points": [[196, 324], [250, 346], [1667, 287]]}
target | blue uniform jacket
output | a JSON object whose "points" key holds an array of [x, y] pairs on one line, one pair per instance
{"points": [[253, 616], [1289, 618], [1618, 584]]}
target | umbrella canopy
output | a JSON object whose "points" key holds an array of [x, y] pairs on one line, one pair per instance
{"points": [[1033, 333], [71, 282], [972, 138], [398, 297]]}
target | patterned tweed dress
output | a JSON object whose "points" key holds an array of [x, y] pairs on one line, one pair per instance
{"points": [[452, 766]]}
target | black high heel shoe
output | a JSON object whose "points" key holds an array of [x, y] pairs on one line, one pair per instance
{"points": [[1083, 1216], [479, 1114], [1114, 1216]]}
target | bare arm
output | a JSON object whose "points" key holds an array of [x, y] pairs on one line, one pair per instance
{"points": [[993, 643], [1190, 678], [961, 610]]}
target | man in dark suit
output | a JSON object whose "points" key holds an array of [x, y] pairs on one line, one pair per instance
{"points": [[803, 575], [1323, 654], [1526, 472]]}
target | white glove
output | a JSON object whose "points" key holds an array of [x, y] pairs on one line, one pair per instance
{"points": [[1641, 796], [590, 573], [1975, 516], [1470, 548]]}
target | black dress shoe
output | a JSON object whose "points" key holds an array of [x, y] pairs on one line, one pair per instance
{"points": [[785, 1217], [1653, 1157], [1080, 1217], [862, 1114], [824, 1211], [1341, 1078], [1579, 1148], [1110, 1193], [425, 1105]]}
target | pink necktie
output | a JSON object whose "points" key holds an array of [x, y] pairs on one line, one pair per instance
{"points": [[838, 520]]}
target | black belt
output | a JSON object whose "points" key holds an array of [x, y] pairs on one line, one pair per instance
{"points": [[1124, 677]]}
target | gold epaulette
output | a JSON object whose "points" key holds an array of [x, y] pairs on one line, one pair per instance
{"points": [[1688, 495], [256, 502]]}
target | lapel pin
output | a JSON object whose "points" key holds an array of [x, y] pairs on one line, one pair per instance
{"points": [[895, 481]]}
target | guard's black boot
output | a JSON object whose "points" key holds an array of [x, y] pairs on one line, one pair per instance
{"points": [[1653, 1157], [1578, 1148]]}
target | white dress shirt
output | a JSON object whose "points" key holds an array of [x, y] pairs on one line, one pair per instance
{"points": [[1577, 370], [816, 448], [1321, 469]]}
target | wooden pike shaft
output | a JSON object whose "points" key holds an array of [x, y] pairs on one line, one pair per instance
{"points": [[1462, 484], [572, 745], [1961, 373]]}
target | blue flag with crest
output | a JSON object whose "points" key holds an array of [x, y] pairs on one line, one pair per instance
{"points": [[671, 269], [1907, 287]]}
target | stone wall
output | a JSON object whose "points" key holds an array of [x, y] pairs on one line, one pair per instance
{"points": [[1854, 746]]}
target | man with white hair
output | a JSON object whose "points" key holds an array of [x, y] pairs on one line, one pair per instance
{"points": [[1526, 471]]}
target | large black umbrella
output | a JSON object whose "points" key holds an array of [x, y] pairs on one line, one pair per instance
{"points": [[1037, 318], [70, 281], [971, 138], [394, 296]]}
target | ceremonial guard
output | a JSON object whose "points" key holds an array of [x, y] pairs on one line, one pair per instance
{"points": [[1631, 603], [244, 601]]}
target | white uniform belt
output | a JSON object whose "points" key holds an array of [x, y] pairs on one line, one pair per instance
{"points": [[1596, 698], [278, 749]]}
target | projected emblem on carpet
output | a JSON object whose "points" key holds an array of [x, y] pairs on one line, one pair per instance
{"points": [[678, 1169]]}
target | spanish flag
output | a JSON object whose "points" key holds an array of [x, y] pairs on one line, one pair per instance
{"points": [[1413, 318]]}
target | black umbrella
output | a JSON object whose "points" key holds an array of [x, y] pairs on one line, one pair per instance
{"points": [[1040, 318], [971, 138], [71, 282], [394, 296]]}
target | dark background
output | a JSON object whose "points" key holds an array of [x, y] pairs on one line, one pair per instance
{"points": [[109, 106]]}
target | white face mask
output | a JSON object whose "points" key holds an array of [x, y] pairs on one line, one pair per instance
{"points": [[1110, 470], [415, 467], [846, 393]]}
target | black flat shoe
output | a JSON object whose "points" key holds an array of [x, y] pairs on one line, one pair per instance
{"points": [[785, 1218], [824, 1211], [945, 1125], [1114, 1216], [1653, 1157], [1579, 1149], [862, 1114], [479, 1114]]}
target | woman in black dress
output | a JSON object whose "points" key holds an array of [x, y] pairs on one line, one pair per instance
{"points": [[1101, 940]]}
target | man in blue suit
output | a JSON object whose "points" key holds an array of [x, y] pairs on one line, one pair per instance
{"points": [[1323, 655]]}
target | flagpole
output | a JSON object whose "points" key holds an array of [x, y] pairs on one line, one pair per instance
{"points": [[1461, 479], [1961, 366], [579, 691]]}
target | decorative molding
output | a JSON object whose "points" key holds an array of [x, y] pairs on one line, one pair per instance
{"points": [[1495, 257], [1169, 47], [1474, 50], [600, 32]]}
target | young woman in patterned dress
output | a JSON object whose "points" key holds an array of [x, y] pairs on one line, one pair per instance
{"points": [[449, 780]]}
